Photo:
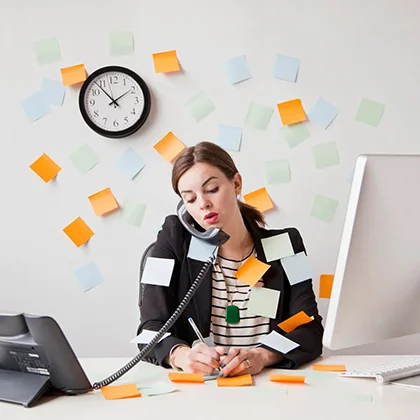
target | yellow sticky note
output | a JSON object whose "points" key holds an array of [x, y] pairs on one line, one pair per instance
{"points": [[251, 271], [118, 392], [166, 62], [325, 285], [103, 202], [45, 167], [78, 231], [329, 368], [243, 380], [259, 199], [291, 112], [73, 75], [295, 321], [169, 147], [287, 378], [185, 377]]}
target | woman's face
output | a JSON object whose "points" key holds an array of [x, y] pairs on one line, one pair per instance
{"points": [[209, 196]]}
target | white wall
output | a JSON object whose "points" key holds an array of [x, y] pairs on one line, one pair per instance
{"points": [[348, 50]]}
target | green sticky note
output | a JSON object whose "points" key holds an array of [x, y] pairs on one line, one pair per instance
{"points": [[278, 246], [324, 208], [121, 43], [84, 159], [277, 171], [263, 302], [325, 155], [47, 51], [370, 112], [258, 116], [133, 212], [200, 106], [295, 134]]}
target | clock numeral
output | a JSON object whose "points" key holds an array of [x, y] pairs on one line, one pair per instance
{"points": [[125, 82], [105, 120], [102, 83], [133, 112], [92, 102], [133, 89], [96, 92], [116, 123], [137, 100], [126, 120], [113, 80], [96, 113]]}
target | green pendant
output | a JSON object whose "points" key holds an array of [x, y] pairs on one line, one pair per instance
{"points": [[232, 314]]}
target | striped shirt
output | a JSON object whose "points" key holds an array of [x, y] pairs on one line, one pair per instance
{"points": [[251, 328]]}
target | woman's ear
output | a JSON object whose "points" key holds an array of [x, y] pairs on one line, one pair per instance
{"points": [[237, 183]]}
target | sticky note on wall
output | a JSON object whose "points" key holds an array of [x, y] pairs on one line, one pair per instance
{"points": [[121, 43], [237, 69], [103, 202], [200, 105], [73, 75], [166, 62], [45, 168], [258, 116], [89, 276], [291, 112], [325, 285], [259, 199], [78, 231], [47, 51], [169, 147]]}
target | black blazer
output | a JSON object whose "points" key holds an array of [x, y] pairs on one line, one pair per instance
{"points": [[159, 302]]}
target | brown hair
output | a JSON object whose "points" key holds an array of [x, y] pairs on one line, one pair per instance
{"points": [[211, 153]]}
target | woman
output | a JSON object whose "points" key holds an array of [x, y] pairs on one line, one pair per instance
{"points": [[207, 180]]}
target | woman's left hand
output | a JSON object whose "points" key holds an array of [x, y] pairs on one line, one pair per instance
{"points": [[240, 361]]}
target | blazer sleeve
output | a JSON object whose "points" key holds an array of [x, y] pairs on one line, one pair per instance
{"points": [[160, 302]]}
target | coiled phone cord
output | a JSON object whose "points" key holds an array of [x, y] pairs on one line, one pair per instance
{"points": [[150, 346]]}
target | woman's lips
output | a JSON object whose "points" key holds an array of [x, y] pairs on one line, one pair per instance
{"points": [[211, 218]]}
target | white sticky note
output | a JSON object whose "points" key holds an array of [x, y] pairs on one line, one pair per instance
{"points": [[277, 247], [158, 271], [146, 336], [263, 302], [279, 342], [158, 388], [297, 268], [200, 250]]}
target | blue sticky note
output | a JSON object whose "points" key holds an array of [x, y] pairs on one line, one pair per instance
{"points": [[286, 68], [52, 92], [297, 268], [89, 276], [229, 137], [322, 113], [237, 69], [35, 107], [200, 250], [130, 163]]}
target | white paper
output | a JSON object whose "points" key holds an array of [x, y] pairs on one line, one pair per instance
{"points": [[200, 250], [297, 268], [146, 336], [263, 302], [279, 342], [158, 271], [277, 247]]}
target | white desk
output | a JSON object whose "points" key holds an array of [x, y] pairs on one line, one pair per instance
{"points": [[324, 397]]}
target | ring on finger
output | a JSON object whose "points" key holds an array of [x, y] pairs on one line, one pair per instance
{"points": [[248, 363]]}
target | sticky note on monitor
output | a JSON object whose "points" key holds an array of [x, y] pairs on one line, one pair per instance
{"points": [[279, 342], [89, 276], [121, 43], [166, 62], [84, 158], [277, 171], [278, 246], [291, 112], [133, 212], [295, 134], [45, 168], [295, 321], [73, 75], [241, 380], [325, 155], [158, 271], [286, 68], [370, 112], [47, 51], [200, 106], [263, 302], [130, 163], [35, 107], [103, 202], [200, 250], [251, 271], [322, 113], [325, 285], [297, 268], [258, 116], [259, 199], [146, 336], [324, 208], [78, 231], [52, 92], [237, 70], [169, 147], [118, 392], [229, 137]]}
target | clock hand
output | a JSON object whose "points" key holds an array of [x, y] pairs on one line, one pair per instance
{"points": [[112, 99], [119, 97], [112, 95]]}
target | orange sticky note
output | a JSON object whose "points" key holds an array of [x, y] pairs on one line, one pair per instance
{"points": [[325, 285], [251, 271], [78, 231], [45, 167], [73, 75], [287, 378], [118, 392], [185, 377], [243, 380], [169, 147], [295, 321], [259, 199], [166, 62], [291, 112], [329, 368], [103, 202]]}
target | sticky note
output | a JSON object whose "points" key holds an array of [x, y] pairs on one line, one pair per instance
{"points": [[200, 250], [73, 75], [169, 147], [370, 112], [237, 69], [121, 43], [229, 137], [287, 378], [278, 246], [146, 336], [118, 392], [200, 106], [185, 377], [278, 342], [103, 202], [89, 276], [286, 68], [259, 199], [35, 107], [277, 171], [251, 271], [158, 271], [324, 208], [322, 113], [263, 302], [329, 368], [295, 321], [295, 134], [158, 388], [242, 380], [291, 112], [84, 158], [133, 212], [166, 62], [325, 285], [258, 116], [130, 163], [47, 51], [297, 268], [52, 92], [325, 155], [45, 168], [78, 231]]}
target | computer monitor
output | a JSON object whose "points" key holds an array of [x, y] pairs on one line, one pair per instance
{"points": [[376, 289]]}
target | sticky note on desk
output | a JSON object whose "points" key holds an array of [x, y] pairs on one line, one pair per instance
{"points": [[35, 107], [186, 377], [325, 285], [263, 302], [295, 321], [329, 368], [73, 75], [121, 43], [279, 342], [103, 202], [322, 113], [146, 336], [242, 380], [130, 163], [324, 208], [258, 116], [370, 112], [89, 276], [118, 392], [291, 112], [251, 271], [166, 62], [259, 199], [78, 231], [325, 155], [237, 69], [286, 68], [287, 378], [278, 246], [45, 168], [158, 388], [47, 51], [200, 106], [52, 92], [158, 271], [297, 268], [169, 147]]}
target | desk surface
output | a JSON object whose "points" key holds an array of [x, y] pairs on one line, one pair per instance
{"points": [[324, 396]]}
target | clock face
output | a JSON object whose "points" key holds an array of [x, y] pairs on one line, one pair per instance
{"points": [[114, 101]]}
